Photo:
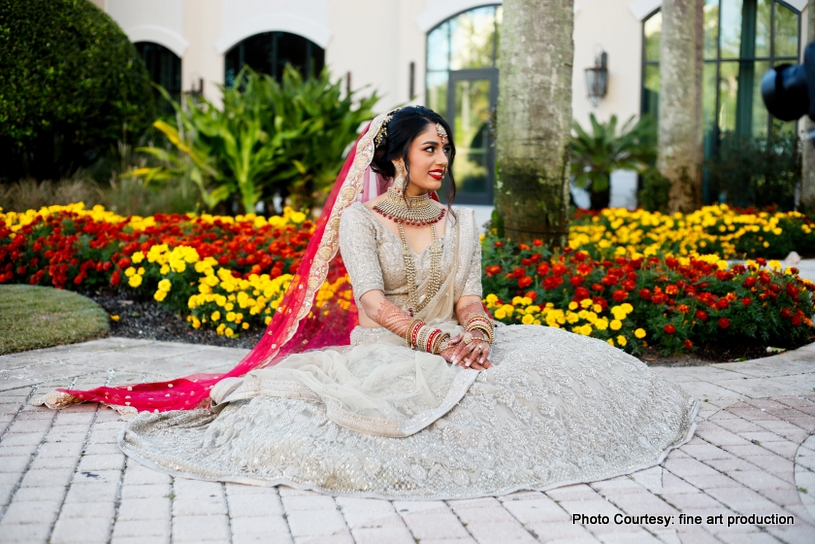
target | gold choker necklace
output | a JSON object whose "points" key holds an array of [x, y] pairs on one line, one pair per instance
{"points": [[412, 210]]}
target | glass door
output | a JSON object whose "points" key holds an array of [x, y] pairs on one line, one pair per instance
{"points": [[471, 97]]}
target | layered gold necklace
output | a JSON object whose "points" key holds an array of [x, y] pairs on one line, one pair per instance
{"points": [[415, 211]]}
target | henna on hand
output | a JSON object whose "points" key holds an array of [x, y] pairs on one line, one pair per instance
{"points": [[468, 311], [393, 318]]}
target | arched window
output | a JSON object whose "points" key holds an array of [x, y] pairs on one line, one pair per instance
{"points": [[164, 68], [462, 85], [742, 40], [269, 53]]}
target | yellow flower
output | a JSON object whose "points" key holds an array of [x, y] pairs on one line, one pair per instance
{"points": [[135, 281], [114, 318], [597, 308], [610, 342], [160, 295], [616, 324], [573, 305], [216, 315], [137, 257], [639, 333], [130, 271], [527, 319], [141, 271], [164, 270], [499, 313], [245, 325], [585, 303], [165, 285], [621, 340]]}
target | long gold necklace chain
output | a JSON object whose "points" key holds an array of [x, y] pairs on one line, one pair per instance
{"points": [[410, 270]]}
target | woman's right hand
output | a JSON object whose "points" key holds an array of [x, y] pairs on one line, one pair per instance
{"points": [[470, 356]]}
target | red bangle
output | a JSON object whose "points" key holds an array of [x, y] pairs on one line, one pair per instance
{"points": [[431, 339]]}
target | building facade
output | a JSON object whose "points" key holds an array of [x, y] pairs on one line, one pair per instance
{"points": [[443, 53]]}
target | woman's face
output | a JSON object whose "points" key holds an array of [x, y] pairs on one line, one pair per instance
{"points": [[428, 161]]}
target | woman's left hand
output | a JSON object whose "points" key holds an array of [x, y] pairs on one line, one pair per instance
{"points": [[472, 354]]}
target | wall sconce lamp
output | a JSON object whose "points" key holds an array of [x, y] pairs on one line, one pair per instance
{"points": [[597, 78]]}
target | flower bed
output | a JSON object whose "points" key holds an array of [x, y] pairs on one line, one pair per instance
{"points": [[671, 303], [229, 272], [633, 279], [727, 232]]}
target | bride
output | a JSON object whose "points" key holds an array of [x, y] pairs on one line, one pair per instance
{"points": [[430, 400]]}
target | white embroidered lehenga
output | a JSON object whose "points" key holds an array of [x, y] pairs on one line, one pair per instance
{"points": [[377, 419]]}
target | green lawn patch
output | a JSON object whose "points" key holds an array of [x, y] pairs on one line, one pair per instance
{"points": [[33, 317]]}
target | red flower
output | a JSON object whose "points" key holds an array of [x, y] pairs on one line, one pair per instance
{"points": [[671, 290], [722, 303], [796, 321], [559, 269], [543, 269], [596, 287], [532, 295], [683, 309], [688, 344], [498, 244], [537, 243], [669, 329], [724, 322], [761, 261], [785, 313], [552, 281], [701, 315], [746, 301], [629, 285], [492, 270], [645, 294], [524, 282], [659, 298], [619, 295], [580, 293], [576, 281]]}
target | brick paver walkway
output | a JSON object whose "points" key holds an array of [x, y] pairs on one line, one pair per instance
{"points": [[63, 478]]}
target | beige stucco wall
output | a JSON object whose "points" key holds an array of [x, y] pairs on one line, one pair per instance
{"points": [[376, 40]]}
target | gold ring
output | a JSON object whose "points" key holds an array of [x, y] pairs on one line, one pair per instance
{"points": [[468, 338]]}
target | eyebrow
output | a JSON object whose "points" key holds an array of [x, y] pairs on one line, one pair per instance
{"points": [[430, 142]]}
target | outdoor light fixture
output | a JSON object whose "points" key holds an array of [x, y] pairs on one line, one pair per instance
{"points": [[597, 78]]}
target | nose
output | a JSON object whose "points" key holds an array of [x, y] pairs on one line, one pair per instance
{"points": [[442, 159]]}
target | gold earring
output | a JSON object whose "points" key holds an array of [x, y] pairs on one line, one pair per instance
{"points": [[399, 179]]}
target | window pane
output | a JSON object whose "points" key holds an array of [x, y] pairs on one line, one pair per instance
{"points": [[653, 31], [499, 17], [438, 48], [762, 38], [728, 89], [472, 38], [786, 32], [471, 133], [730, 36], [650, 91], [741, 107], [711, 15], [709, 96], [437, 92]]}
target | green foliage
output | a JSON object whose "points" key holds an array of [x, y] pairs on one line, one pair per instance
{"points": [[757, 171], [655, 189], [268, 139], [73, 83], [595, 156]]}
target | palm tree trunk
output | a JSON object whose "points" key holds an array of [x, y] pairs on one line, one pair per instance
{"points": [[808, 174], [534, 119], [600, 199], [680, 102]]}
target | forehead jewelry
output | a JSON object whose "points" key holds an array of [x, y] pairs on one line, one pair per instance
{"points": [[442, 133]]}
